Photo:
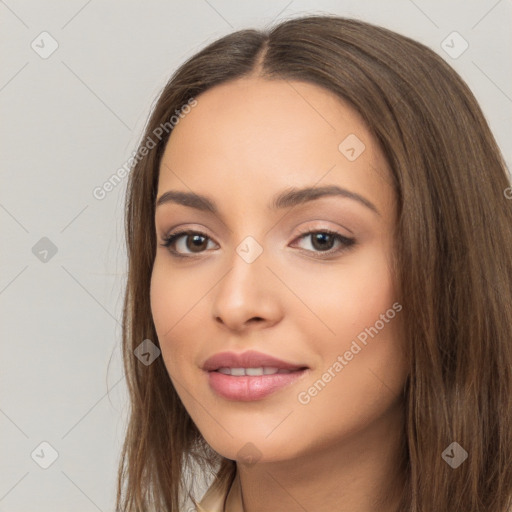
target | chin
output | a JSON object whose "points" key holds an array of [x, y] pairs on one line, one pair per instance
{"points": [[249, 449]]}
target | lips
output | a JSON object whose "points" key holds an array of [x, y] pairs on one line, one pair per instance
{"points": [[248, 359], [251, 375]]}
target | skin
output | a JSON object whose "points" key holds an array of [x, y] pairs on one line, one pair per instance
{"points": [[244, 142]]}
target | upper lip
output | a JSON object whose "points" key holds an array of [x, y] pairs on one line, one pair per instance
{"points": [[249, 359]]}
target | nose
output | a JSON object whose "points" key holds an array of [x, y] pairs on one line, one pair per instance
{"points": [[247, 296]]}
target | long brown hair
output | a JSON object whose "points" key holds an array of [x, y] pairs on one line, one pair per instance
{"points": [[453, 262]]}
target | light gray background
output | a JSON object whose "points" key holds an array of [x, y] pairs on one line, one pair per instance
{"points": [[68, 122]]}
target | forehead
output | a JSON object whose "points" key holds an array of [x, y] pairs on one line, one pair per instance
{"points": [[251, 134]]}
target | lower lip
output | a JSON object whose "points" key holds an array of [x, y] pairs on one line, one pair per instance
{"points": [[247, 388]]}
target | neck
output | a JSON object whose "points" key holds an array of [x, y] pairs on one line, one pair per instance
{"points": [[358, 474]]}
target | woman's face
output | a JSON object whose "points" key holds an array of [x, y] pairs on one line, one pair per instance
{"points": [[301, 276]]}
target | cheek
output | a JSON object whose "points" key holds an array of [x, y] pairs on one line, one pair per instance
{"points": [[357, 382], [175, 295], [163, 300], [345, 299], [172, 307], [357, 318]]}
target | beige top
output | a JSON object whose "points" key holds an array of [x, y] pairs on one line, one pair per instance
{"points": [[223, 496]]}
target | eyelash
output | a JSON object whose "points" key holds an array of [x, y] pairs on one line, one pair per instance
{"points": [[346, 242]]}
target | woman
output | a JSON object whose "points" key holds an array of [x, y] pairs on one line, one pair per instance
{"points": [[319, 245]]}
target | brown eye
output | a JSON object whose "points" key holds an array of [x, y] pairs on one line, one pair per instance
{"points": [[323, 242], [186, 242], [196, 242]]}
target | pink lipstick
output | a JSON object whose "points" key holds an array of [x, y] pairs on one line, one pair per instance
{"points": [[250, 375]]}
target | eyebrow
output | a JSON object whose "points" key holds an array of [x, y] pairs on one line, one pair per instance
{"points": [[286, 199]]}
